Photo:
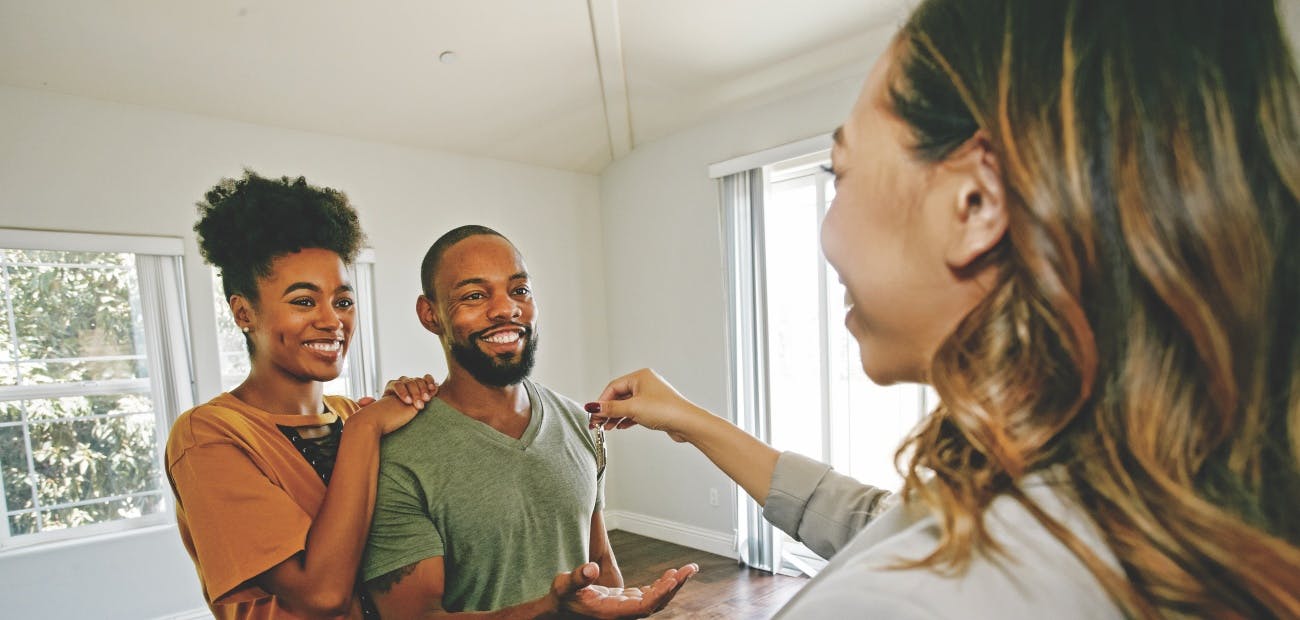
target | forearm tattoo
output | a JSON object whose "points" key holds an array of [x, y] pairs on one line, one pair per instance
{"points": [[383, 583]]}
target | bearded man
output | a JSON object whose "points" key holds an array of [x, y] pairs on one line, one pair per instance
{"points": [[493, 494]]}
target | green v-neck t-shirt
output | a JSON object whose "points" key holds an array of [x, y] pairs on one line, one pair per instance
{"points": [[505, 514]]}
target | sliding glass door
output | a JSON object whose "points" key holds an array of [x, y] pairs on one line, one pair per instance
{"points": [[805, 388]]}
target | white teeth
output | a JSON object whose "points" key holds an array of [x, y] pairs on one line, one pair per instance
{"points": [[328, 347], [503, 338]]}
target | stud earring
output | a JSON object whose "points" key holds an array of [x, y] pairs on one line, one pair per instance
{"points": [[244, 329]]}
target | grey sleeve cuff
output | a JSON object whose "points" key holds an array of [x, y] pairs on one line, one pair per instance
{"points": [[793, 482], [817, 506]]}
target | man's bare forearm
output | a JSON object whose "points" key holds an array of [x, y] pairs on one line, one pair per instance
{"points": [[610, 575], [381, 587]]}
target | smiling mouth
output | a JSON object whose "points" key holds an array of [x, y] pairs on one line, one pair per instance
{"points": [[505, 337], [325, 346]]}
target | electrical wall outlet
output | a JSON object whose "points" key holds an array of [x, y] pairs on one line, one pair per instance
{"points": [[713, 497]]}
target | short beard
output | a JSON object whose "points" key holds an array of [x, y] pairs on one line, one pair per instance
{"points": [[493, 371]]}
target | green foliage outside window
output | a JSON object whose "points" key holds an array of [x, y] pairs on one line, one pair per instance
{"points": [[66, 319]]}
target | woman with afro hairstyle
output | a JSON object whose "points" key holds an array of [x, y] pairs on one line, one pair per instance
{"points": [[273, 499]]}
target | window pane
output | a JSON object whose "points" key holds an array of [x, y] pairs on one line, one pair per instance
{"points": [[22, 524], [8, 371], [83, 310], [13, 463], [81, 406], [230, 341], [124, 508], [793, 316], [10, 412], [820, 402], [84, 460], [879, 418], [341, 386], [72, 323]]}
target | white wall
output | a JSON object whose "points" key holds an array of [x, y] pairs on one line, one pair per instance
{"points": [[666, 297], [81, 165]]}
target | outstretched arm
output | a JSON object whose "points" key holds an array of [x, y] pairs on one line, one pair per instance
{"points": [[644, 398], [804, 498]]}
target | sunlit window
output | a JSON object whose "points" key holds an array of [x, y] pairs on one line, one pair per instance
{"points": [[87, 386], [799, 379], [822, 404]]}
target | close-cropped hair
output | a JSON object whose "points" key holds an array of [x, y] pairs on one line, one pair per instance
{"points": [[433, 257], [1141, 333], [246, 223]]}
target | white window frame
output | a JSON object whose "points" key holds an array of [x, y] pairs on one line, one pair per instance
{"points": [[160, 279]]}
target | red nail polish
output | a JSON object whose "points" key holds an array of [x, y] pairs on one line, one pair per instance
{"points": [[593, 407]]}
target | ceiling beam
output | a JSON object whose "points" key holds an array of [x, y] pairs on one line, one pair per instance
{"points": [[608, 45]]}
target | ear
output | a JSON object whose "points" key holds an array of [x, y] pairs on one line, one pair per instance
{"points": [[428, 314], [243, 311], [979, 214]]}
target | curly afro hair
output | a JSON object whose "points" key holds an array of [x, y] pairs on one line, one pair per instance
{"points": [[246, 223]]}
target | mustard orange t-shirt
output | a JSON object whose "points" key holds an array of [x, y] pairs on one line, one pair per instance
{"points": [[245, 498]]}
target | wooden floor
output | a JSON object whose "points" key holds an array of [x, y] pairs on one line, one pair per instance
{"points": [[723, 589]]}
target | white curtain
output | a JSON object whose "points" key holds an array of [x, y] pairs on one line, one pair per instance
{"points": [[162, 296], [742, 206], [363, 371]]}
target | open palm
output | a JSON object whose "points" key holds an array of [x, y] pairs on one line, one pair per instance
{"points": [[614, 603]]}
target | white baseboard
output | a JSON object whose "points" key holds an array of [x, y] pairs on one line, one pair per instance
{"points": [[712, 541], [200, 613]]}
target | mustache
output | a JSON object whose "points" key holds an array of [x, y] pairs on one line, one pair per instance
{"points": [[478, 335]]}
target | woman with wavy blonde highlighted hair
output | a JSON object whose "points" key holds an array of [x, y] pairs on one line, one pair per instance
{"points": [[1079, 220]]}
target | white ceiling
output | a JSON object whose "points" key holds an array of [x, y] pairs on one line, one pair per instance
{"points": [[566, 84]]}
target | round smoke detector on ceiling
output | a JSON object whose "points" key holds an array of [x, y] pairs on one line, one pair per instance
{"points": [[448, 57]]}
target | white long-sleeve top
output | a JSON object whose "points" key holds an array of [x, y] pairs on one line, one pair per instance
{"points": [[864, 531]]}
